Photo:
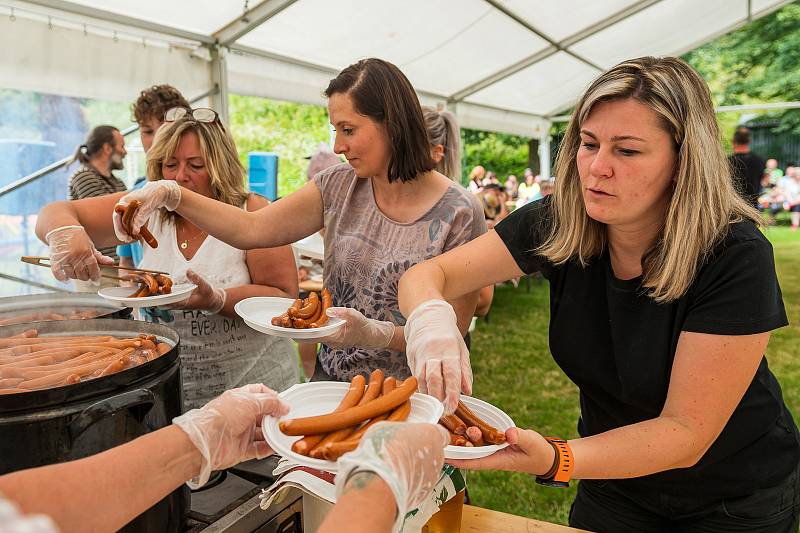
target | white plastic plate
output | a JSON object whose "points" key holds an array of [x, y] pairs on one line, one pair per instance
{"points": [[258, 312], [322, 397], [121, 295], [492, 416]]}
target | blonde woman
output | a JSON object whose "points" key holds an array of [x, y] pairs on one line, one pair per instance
{"points": [[218, 351], [444, 138], [663, 294]]}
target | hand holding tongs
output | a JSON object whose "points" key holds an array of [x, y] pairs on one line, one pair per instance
{"points": [[37, 260]]}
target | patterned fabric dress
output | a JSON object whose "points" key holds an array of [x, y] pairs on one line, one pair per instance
{"points": [[366, 253]]}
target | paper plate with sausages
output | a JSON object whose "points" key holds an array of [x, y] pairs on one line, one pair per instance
{"points": [[477, 429], [308, 401], [263, 313], [122, 295]]}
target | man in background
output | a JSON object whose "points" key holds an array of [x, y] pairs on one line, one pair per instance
{"points": [[99, 156], [747, 168]]}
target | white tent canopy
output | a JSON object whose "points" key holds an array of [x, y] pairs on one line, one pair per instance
{"points": [[501, 65]]}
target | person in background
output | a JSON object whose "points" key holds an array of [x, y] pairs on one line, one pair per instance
{"points": [[747, 168], [102, 153], [512, 187], [772, 172], [529, 189], [647, 246], [476, 179], [493, 201], [193, 152], [394, 468], [546, 188], [445, 141], [491, 178], [148, 112]]}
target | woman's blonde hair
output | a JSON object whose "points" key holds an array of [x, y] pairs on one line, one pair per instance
{"points": [[443, 129], [704, 201], [226, 174]]}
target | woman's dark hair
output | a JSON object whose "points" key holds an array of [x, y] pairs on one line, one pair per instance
{"points": [[381, 92], [98, 137]]}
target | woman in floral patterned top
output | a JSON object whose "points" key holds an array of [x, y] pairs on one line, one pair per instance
{"points": [[383, 211]]}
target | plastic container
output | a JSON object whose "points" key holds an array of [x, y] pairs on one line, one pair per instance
{"points": [[262, 174]]}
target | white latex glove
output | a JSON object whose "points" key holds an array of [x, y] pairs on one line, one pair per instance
{"points": [[436, 352], [205, 297], [227, 430], [73, 255], [154, 195], [358, 330], [407, 456]]}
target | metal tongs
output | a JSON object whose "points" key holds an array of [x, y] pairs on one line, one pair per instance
{"points": [[38, 261]]}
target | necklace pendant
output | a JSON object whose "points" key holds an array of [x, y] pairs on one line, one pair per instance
{"points": [[184, 245]]}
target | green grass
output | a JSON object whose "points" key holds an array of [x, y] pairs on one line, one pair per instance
{"points": [[513, 369]]}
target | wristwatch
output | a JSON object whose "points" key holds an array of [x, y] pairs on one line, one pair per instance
{"points": [[561, 471]]}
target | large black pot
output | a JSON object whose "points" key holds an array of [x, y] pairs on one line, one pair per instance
{"points": [[19, 309], [74, 421]]}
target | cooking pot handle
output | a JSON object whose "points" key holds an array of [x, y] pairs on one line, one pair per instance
{"points": [[109, 406]]}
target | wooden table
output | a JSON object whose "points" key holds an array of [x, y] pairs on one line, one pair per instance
{"points": [[479, 520]]}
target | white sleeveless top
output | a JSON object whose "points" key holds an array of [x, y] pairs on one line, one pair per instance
{"points": [[217, 352]]}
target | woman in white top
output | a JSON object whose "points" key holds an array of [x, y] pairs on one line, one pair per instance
{"points": [[218, 351]]}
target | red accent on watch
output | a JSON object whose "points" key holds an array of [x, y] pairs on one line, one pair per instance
{"points": [[563, 465]]}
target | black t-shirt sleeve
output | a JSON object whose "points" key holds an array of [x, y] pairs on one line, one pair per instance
{"points": [[525, 230], [737, 292]]}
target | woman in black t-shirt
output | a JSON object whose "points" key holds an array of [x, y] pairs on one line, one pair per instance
{"points": [[663, 294]]}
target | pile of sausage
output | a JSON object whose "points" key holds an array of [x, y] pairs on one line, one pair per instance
{"points": [[467, 429], [307, 313], [151, 284], [42, 316], [331, 435], [29, 362], [126, 213]]}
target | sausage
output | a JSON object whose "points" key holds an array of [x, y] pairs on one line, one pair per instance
{"points": [[353, 395], [164, 283], [285, 320], [13, 391], [373, 391], [475, 436], [453, 424], [11, 343], [25, 334], [118, 365], [10, 382], [148, 238], [278, 320], [127, 218], [490, 434], [163, 348], [334, 450], [314, 425], [457, 440], [310, 307], [327, 301]]}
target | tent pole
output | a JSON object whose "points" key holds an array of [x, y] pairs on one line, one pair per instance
{"points": [[219, 77], [544, 152]]}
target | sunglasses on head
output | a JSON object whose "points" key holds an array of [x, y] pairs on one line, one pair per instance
{"points": [[201, 114]]}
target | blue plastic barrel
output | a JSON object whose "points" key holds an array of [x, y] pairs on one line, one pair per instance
{"points": [[262, 175]]}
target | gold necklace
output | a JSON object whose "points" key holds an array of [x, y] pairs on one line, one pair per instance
{"points": [[185, 242]]}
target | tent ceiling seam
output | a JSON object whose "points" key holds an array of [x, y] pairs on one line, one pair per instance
{"points": [[252, 18], [553, 49]]}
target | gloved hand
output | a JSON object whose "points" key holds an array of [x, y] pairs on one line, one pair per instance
{"points": [[205, 297], [154, 195], [227, 430], [358, 330], [436, 352], [73, 255], [407, 456]]}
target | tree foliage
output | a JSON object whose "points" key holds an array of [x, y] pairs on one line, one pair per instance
{"points": [[755, 64], [288, 129], [501, 153]]}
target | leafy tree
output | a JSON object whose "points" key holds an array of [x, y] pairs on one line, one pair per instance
{"points": [[288, 129], [754, 64], [501, 153]]}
